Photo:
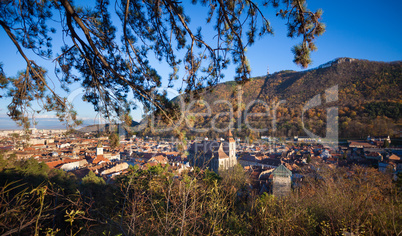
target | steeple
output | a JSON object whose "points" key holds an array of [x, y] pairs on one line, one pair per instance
{"points": [[230, 134], [232, 149]]}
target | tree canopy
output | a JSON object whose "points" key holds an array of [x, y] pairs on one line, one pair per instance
{"points": [[114, 140], [110, 59]]}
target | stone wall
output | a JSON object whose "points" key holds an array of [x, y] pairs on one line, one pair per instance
{"points": [[281, 186]]}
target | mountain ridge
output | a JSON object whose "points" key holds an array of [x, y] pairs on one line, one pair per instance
{"points": [[368, 100], [366, 91]]}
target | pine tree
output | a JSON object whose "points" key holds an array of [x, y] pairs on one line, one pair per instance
{"points": [[91, 178], [110, 59], [114, 140]]}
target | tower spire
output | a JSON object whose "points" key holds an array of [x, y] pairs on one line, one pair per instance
{"points": [[230, 134]]}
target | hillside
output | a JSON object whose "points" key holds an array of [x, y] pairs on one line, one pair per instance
{"points": [[369, 101], [103, 127]]}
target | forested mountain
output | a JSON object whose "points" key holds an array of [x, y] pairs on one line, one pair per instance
{"points": [[369, 101]]}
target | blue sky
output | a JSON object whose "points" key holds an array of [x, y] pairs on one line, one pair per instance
{"points": [[357, 29]]}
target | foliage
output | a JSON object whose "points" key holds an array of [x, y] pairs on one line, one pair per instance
{"points": [[22, 211], [389, 109], [386, 143], [31, 197], [31, 167], [369, 101], [114, 140], [112, 67], [156, 201], [91, 178]]}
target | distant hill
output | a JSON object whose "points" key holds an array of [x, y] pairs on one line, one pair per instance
{"points": [[359, 81], [103, 127], [369, 101]]}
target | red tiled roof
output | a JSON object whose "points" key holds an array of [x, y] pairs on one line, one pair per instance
{"points": [[55, 164], [158, 159], [359, 143], [99, 158], [394, 157]]}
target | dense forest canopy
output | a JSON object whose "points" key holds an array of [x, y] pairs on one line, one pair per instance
{"points": [[110, 59]]}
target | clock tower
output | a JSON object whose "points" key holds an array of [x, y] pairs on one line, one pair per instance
{"points": [[232, 150]]}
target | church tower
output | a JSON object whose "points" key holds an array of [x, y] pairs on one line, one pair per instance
{"points": [[232, 150], [99, 149]]}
